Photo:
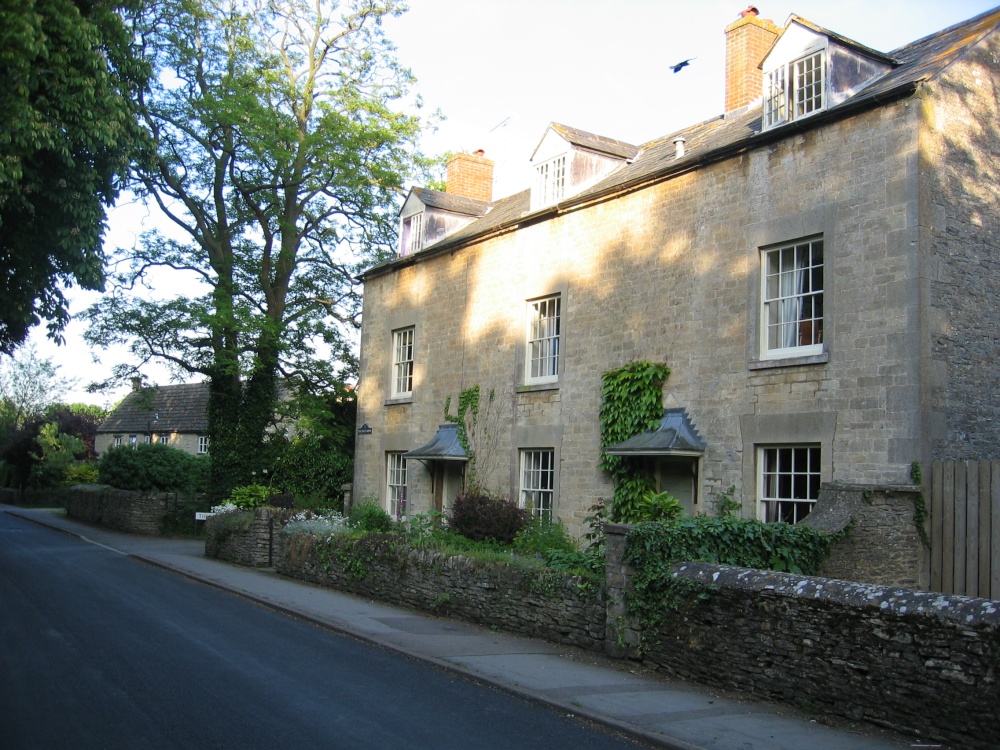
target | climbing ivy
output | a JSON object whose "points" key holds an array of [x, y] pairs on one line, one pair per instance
{"points": [[468, 403], [919, 506], [631, 403]]}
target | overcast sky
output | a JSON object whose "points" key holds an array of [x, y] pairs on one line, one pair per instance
{"points": [[501, 71]]}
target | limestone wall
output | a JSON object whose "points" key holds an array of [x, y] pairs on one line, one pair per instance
{"points": [[121, 510]]}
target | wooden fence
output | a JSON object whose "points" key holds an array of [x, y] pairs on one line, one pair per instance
{"points": [[965, 527]]}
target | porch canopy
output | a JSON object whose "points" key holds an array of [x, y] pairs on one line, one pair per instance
{"points": [[444, 446], [675, 436]]}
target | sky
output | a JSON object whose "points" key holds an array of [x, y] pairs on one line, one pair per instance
{"points": [[500, 72]]}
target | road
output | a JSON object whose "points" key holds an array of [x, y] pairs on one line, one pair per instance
{"points": [[98, 650]]}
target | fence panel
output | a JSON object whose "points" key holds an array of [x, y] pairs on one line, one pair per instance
{"points": [[965, 527]]}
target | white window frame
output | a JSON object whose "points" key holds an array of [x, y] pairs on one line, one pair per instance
{"points": [[550, 180], [792, 91], [538, 482], [118, 441], [395, 484], [411, 234], [543, 340], [401, 377], [788, 481], [133, 441], [163, 439], [202, 444], [792, 292]]}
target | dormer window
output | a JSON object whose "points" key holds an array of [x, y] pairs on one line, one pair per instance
{"points": [[795, 90], [551, 180], [412, 236]]}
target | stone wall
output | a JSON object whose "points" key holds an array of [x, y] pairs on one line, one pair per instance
{"points": [[121, 510], [246, 537], [882, 544], [921, 663], [546, 605]]}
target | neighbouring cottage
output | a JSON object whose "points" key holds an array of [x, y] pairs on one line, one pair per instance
{"points": [[817, 266], [175, 415]]}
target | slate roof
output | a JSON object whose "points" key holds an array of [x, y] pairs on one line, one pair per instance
{"points": [[444, 446], [675, 435], [449, 202], [719, 138], [178, 408], [595, 142]]}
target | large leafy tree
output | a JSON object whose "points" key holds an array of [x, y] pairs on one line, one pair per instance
{"points": [[278, 149], [69, 74]]}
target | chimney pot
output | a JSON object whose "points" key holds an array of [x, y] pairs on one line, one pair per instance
{"points": [[679, 142]]}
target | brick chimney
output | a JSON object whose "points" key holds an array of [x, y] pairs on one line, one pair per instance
{"points": [[471, 176], [747, 41]]}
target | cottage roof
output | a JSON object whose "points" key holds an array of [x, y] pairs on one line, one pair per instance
{"points": [[176, 408], [718, 138], [594, 142]]}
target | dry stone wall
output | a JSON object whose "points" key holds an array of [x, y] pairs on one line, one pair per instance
{"points": [[549, 605], [245, 537], [121, 510]]}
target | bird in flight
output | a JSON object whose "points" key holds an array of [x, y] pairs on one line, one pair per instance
{"points": [[682, 64]]}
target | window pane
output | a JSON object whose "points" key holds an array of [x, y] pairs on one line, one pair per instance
{"points": [[538, 482], [543, 339], [792, 306], [789, 481]]}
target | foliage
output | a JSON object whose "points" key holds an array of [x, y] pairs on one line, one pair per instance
{"points": [[81, 473], [313, 469], [19, 448], [225, 525], [480, 515], [28, 385], [71, 76], [631, 403], [540, 536], [659, 506], [59, 452], [277, 145], [251, 496], [369, 517], [745, 542], [154, 467], [725, 505], [919, 505], [653, 548], [321, 526]]}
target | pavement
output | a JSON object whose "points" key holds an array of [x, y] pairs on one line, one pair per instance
{"points": [[621, 695]]}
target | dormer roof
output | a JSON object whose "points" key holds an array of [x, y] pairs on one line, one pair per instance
{"points": [[843, 41], [456, 204], [590, 141]]}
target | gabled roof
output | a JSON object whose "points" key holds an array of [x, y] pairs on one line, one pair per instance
{"points": [[594, 142], [176, 408], [841, 40], [458, 204], [719, 138]]}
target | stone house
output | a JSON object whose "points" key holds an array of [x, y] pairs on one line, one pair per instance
{"points": [[817, 266], [175, 415]]}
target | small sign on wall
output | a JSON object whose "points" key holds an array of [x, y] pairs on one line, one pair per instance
{"points": [[364, 430]]}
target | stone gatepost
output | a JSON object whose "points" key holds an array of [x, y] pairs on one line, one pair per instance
{"points": [[622, 633]]}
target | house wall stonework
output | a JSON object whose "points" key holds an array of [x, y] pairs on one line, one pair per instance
{"points": [[670, 273], [960, 203]]}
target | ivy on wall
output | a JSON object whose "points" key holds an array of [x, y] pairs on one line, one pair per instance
{"points": [[631, 403], [468, 405]]}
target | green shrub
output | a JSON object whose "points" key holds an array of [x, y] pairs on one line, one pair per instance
{"points": [[80, 473], [154, 467], [369, 517], [543, 536], [480, 516], [250, 496], [313, 470]]}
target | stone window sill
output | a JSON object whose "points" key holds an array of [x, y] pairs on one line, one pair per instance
{"points": [[767, 364]]}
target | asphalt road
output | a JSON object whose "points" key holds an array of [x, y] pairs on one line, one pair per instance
{"points": [[98, 650]]}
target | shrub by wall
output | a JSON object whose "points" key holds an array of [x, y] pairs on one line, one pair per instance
{"points": [[533, 601], [246, 537]]}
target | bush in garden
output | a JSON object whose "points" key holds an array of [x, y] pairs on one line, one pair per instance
{"points": [[313, 469], [368, 516], [154, 467], [480, 516], [541, 536]]}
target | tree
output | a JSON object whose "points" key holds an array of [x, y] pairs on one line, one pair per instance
{"points": [[278, 153], [28, 385], [70, 73]]}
